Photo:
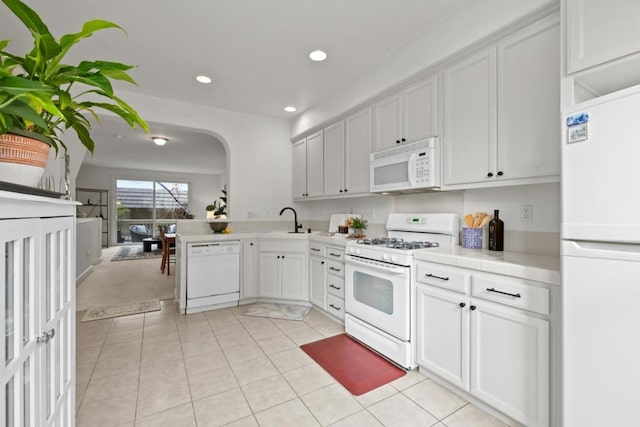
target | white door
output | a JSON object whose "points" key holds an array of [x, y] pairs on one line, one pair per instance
{"points": [[419, 110], [334, 159], [315, 165], [600, 346], [357, 152], [58, 307], [469, 145], [529, 101], [300, 169], [20, 323], [443, 334], [317, 276], [387, 122], [269, 271], [601, 30], [510, 362], [294, 280]]}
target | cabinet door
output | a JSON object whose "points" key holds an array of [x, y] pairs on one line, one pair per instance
{"points": [[300, 169], [58, 303], [315, 165], [358, 152], [294, 277], [387, 119], [601, 30], [469, 145], [249, 287], [510, 362], [20, 323], [443, 334], [420, 106], [269, 269], [529, 101], [334, 159], [317, 276]]}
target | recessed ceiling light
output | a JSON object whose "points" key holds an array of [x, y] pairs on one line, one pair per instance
{"points": [[159, 140], [318, 55], [289, 109], [203, 79]]}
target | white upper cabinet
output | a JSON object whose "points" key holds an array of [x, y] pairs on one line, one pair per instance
{"points": [[334, 154], [502, 111], [406, 116], [300, 169], [599, 31], [358, 150], [529, 102], [470, 118]]}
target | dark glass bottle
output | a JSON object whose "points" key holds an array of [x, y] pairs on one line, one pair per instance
{"points": [[496, 233]]}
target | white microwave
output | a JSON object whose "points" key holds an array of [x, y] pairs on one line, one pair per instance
{"points": [[407, 168]]}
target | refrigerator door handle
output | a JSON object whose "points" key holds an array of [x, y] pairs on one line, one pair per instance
{"points": [[588, 249]]}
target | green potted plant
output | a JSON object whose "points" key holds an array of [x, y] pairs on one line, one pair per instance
{"points": [[358, 225], [41, 98], [217, 213]]}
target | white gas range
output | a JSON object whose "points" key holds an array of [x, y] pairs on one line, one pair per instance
{"points": [[380, 284]]}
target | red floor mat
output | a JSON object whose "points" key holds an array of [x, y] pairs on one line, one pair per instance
{"points": [[357, 368]]}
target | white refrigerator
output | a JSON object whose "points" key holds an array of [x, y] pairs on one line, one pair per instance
{"points": [[601, 262]]}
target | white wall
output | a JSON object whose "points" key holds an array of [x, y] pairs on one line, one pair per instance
{"points": [[479, 19]]}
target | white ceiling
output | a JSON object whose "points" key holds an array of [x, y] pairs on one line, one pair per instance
{"points": [[255, 50]]}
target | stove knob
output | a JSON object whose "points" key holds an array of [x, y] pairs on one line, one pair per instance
{"points": [[358, 251], [385, 257], [352, 250], [394, 257]]}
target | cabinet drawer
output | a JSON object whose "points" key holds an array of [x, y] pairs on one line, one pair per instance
{"points": [[452, 278], [335, 285], [316, 249], [335, 306], [335, 254], [511, 291], [335, 268], [283, 246]]}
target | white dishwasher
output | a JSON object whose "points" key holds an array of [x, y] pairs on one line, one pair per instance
{"points": [[213, 275]]}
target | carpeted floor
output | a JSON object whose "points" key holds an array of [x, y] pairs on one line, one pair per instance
{"points": [[113, 283], [135, 252]]}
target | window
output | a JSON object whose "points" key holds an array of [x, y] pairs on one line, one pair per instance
{"points": [[142, 206]]}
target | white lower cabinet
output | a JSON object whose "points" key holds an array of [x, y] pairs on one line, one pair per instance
{"points": [[283, 270], [37, 311], [249, 288], [326, 278], [496, 349]]}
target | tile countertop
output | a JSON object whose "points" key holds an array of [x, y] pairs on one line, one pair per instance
{"points": [[540, 268], [314, 235]]}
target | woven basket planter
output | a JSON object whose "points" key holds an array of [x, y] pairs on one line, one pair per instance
{"points": [[22, 159]]}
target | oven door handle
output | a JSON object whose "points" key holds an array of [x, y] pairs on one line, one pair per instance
{"points": [[377, 265]]}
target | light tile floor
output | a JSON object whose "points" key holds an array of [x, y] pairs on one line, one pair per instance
{"points": [[220, 368]]}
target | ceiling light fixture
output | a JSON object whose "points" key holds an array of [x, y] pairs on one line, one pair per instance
{"points": [[203, 79], [159, 140], [289, 109], [318, 55]]}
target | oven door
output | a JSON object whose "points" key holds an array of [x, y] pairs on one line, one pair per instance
{"points": [[379, 294]]}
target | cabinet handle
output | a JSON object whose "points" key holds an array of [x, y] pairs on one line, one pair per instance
{"points": [[341, 191], [500, 173], [282, 256], [278, 256], [345, 190], [335, 255], [334, 269], [462, 305], [403, 139], [334, 287], [473, 307], [504, 293], [313, 249], [321, 262], [397, 141], [436, 277], [490, 174], [251, 244], [334, 307]]}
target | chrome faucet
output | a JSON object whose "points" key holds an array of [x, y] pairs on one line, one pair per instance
{"points": [[296, 226]]}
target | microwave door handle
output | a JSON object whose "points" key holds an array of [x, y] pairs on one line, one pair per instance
{"points": [[412, 169]]}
